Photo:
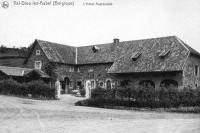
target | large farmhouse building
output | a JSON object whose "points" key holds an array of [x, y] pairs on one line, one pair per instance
{"points": [[165, 61]]}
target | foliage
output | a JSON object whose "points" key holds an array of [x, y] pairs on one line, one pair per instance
{"points": [[3, 49], [98, 93], [50, 69], [145, 97], [82, 90], [37, 89], [124, 83]]}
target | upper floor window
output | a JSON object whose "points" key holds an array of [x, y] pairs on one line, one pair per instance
{"points": [[38, 65], [95, 49], [37, 52], [78, 70], [71, 69], [90, 70], [196, 70]]}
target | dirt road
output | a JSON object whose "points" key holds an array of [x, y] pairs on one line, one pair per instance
{"points": [[18, 115]]}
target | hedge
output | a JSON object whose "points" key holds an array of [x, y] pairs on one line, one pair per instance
{"points": [[144, 97], [37, 89]]}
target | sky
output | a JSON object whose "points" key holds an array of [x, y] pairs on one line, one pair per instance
{"points": [[81, 25]]}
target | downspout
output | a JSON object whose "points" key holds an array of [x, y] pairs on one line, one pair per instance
{"points": [[76, 56]]}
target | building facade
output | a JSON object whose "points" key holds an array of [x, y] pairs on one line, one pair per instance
{"points": [[165, 61]]}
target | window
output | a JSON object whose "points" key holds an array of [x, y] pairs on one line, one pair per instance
{"points": [[37, 52], [90, 70], [92, 84], [196, 71], [109, 83], [70, 84], [71, 69], [95, 49], [164, 53], [38, 64], [135, 55], [101, 84]]}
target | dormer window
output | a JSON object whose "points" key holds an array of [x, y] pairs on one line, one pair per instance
{"points": [[136, 55], [37, 52], [95, 49], [164, 53]]}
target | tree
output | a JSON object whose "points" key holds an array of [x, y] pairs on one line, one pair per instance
{"points": [[50, 68]]}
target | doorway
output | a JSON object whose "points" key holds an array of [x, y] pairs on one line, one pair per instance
{"points": [[66, 85]]}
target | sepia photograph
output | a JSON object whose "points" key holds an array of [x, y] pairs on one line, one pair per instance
{"points": [[99, 66]]}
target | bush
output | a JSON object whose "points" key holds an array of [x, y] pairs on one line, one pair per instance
{"points": [[38, 89], [98, 93], [82, 91], [145, 97]]}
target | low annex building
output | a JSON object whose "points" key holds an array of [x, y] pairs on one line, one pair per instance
{"points": [[21, 74], [164, 61]]}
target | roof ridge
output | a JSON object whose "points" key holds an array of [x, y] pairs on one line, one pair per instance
{"points": [[127, 41], [15, 67], [55, 43], [191, 50]]}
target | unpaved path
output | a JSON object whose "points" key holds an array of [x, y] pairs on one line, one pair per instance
{"points": [[18, 115]]}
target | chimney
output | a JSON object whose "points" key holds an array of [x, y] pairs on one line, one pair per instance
{"points": [[115, 40]]}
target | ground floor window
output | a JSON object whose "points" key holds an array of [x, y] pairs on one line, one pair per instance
{"points": [[70, 84], [108, 84], [79, 84], [169, 83], [147, 84], [101, 84], [92, 84]]}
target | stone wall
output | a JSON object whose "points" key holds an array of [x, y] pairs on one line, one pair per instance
{"points": [[98, 72], [190, 80], [157, 78], [33, 57], [82, 73]]}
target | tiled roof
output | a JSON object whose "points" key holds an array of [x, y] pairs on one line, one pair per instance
{"points": [[41, 73], [57, 52], [193, 51], [149, 61], [18, 71], [120, 53], [14, 71], [104, 54]]}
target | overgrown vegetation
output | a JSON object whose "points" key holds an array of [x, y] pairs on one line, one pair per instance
{"points": [[22, 51], [36, 89], [50, 68], [144, 97]]}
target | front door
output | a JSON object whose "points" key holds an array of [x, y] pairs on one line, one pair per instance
{"points": [[88, 89], [66, 89]]}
